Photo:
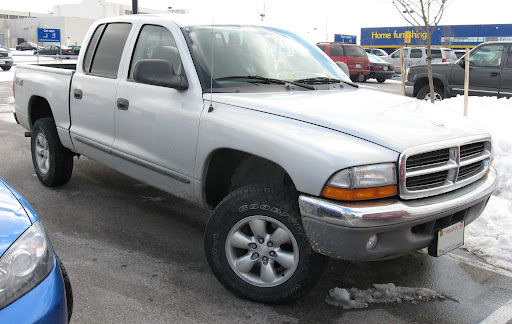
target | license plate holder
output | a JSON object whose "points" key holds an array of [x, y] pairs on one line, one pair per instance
{"points": [[385, 68], [447, 239], [358, 66]]}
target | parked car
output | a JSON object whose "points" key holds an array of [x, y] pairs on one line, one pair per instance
{"points": [[490, 74], [75, 48], [418, 55], [55, 50], [34, 285], [26, 46], [459, 53], [380, 69], [6, 60], [376, 51], [351, 54], [330, 169]]}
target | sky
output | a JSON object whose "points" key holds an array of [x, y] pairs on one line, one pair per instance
{"points": [[316, 21]]}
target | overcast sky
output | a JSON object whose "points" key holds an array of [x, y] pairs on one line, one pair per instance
{"points": [[317, 20]]}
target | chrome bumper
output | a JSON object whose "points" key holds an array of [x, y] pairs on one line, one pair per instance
{"points": [[342, 230], [394, 211]]}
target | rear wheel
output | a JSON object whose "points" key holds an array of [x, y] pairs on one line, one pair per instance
{"points": [[53, 162], [257, 248], [424, 93], [381, 80]]}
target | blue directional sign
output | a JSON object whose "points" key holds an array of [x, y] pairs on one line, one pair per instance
{"points": [[48, 35]]}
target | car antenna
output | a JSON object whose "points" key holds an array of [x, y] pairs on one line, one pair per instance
{"points": [[210, 109]]}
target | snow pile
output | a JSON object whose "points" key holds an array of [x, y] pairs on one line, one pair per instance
{"points": [[381, 293], [490, 236]]}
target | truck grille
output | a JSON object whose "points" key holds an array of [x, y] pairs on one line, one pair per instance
{"points": [[434, 169], [3, 54]]}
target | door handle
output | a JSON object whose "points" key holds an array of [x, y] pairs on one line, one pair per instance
{"points": [[122, 104], [77, 93], [495, 74]]}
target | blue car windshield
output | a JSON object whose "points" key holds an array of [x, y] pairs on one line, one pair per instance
{"points": [[262, 52]]}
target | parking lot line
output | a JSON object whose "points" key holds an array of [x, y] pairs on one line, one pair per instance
{"points": [[479, 264], [501, 316]]}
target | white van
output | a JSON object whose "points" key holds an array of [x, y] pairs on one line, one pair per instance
{"points": [[418, 56]]}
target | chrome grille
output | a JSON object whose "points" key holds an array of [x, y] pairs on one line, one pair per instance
{"points": [[3, 54], [438, 168]]}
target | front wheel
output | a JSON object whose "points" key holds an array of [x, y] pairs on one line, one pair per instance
{"points": [[53, 162], [257, 248], [424, 93], [6, 68]]}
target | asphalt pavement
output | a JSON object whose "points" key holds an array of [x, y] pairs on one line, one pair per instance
{"points": [[134, 254]]}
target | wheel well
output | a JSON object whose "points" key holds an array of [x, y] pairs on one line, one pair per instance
{"points": [[230, 169], [38, 108], [423, 82]]}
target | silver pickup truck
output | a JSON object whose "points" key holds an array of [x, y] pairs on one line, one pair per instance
{"points": [[261, 127]]}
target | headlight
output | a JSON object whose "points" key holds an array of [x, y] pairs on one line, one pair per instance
{"points": [[25, 264], [363, 183]]}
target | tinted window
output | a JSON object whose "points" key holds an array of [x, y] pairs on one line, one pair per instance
{"points": [[322, 47], [336, 51], [509, 59], [156, 42], [355, 51], [417, 53], [487, 56], [436, 53], [92, 47], [109, 50]]}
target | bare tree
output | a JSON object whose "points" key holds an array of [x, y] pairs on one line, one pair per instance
{"points": [[425, 15]]}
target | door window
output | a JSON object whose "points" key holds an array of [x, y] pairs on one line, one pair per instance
{"points": [[416, 53], [155, 42], [336, 51], [106, 56], [487, 56], [436, 53], [509, 58]]}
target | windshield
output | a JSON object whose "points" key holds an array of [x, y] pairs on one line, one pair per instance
{"points": [[252, 51], [375, 59]]}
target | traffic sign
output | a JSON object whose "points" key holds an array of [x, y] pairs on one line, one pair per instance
{"points": [[48, 35]]}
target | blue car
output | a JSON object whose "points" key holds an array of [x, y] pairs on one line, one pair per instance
{"points": [[34, 286]]}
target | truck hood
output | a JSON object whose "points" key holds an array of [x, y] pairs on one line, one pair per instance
{"points": [[393, 121], [14, 219]]}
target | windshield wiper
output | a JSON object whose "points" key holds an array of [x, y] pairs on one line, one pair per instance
{"points": [[260, 79], [319, 80]]}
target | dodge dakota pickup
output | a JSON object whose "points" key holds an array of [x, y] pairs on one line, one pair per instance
{"points": [[296, 163]]}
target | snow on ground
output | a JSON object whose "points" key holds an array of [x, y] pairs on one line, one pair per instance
{"points": [[381, 293], [7, 75]]}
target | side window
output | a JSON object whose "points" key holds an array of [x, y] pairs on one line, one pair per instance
{"points": [[336, 51], [509, 58], [416, 53], [436, 53], [396, 54], [322, 47], [487, 56], [155, 42], [91, 48], [107, 54]]}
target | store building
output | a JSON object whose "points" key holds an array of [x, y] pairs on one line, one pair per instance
{"points": [[454, 36]]}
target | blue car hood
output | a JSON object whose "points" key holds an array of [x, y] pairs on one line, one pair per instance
{"points": [[16, 215]]}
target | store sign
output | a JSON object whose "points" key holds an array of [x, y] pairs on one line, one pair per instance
{"points": [[48, 35]]}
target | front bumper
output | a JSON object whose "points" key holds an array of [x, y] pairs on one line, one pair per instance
{"points": [[45, 303], [342, 230]]}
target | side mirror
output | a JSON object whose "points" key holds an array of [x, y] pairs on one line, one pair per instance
{"points": [[159, 73], [343, 67]]}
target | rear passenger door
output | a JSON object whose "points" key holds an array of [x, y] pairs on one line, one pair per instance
{"points": [[93, 90]]}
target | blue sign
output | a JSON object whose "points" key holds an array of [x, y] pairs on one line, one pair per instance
{"points": [[339, 38], [48, 35]]}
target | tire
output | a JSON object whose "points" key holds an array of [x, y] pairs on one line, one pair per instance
{"points": [[381, 80], [256, 246], [6, 68], [67, 287], [52, 162], [424, 93]]}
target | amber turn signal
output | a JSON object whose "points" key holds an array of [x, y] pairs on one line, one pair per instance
{"points": [[359, 194]]}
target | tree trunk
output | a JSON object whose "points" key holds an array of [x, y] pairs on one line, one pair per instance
{"points": [[429, 65]]}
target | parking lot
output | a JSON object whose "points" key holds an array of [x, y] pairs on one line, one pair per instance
{"points": [[135, 255]]}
